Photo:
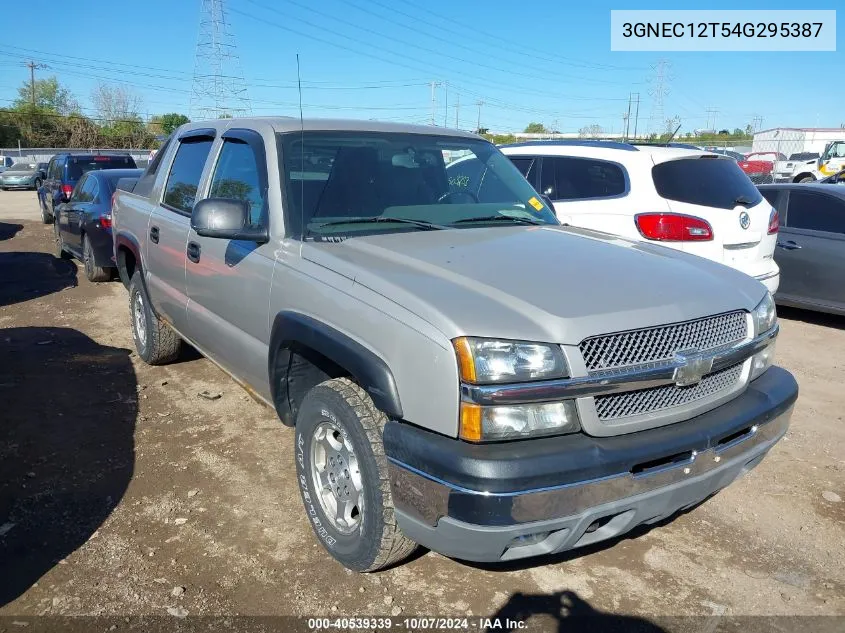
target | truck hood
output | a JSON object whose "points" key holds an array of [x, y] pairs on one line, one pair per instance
{"points": [[554, 284]]}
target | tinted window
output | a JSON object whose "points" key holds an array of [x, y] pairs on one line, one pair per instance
{"points": [[525, 164], [771, 196], [710, 182], [816, 212], [237, 177], [52, 171], [184, 179], [566, 178], [804, 156], [79, 165]]}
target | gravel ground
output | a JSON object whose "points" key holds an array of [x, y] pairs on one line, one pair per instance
{"points": [[124, 493]]}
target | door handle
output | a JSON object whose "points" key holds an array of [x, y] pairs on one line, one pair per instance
{"points": [[154, 234], [789, 245], [193, 251]]}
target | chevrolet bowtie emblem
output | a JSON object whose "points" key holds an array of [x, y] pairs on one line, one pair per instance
{"points": [[692, 367]]}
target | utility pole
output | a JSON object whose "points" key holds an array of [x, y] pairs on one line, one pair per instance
{"points": [[434, 85], [627, 117], [479, 103], [457, 110], [445, 103], [711, 112], [637, 115], [32, 67]]}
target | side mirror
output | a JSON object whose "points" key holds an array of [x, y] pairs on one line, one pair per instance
{"points": [[226, 219], [548, 202]]}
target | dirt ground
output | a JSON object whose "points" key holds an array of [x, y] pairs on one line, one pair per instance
{"points": [[123, 493]]}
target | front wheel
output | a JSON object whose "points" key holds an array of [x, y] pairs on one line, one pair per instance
{"points": [[343, 479], [59, 245], [807, 179], [36, 184]]}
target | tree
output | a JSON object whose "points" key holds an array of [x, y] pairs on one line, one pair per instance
{"points": [[535, 128], [591, 131], [115, 103], [50, 96], [171, 121], [749, 130]]}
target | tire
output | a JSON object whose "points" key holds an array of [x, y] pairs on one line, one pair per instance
{"points": [[59, 249], [807, 179], [36, 184], [337, 415], [92, 271], [156, 343]]}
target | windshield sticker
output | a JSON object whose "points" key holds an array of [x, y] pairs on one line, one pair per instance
{"points": [[538, 206]]}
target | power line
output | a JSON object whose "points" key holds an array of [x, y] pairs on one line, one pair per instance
{"points": [[32, 66]]}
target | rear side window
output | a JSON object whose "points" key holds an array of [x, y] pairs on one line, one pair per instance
{"points": [[709, 182], [771, 196], [184, 178], [83, 164], [815, 212], [525, 164], [568, 178], [237, 177]]}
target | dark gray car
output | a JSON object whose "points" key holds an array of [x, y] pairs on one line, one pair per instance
{"points": [[811, 245]]}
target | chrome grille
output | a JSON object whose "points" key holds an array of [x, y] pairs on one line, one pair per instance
{"points": [[649, 345], [631, 403]]}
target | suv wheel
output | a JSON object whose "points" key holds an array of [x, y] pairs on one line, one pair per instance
{"points": [[342, 473], [36, 184], [807, 179], [155, 342], [92, 271]]}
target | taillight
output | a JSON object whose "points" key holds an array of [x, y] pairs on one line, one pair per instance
{"points": [[105, 221], [774, 222], [67, 190], [673, 227]]}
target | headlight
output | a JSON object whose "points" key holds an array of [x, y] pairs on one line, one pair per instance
{"points": [[765, 315], [480, 424], [762, 360], [483, 360]]}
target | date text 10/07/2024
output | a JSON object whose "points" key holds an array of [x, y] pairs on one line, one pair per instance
{"points": [[415, 624]]}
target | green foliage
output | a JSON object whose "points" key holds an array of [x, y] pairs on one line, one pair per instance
{"points": [[171, 121], [500, 139], [536, 128], [49, 97]]}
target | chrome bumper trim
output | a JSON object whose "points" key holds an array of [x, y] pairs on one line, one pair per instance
{"points": [[610, 382], [429, 498]]}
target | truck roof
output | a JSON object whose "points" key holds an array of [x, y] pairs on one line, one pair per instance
{"points": [[293, 124]]}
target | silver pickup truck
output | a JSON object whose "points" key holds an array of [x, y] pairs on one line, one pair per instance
{"points": [[461, 371]]}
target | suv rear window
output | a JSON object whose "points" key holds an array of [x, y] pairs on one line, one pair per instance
{"points": [[78, 165], [709, 182]]}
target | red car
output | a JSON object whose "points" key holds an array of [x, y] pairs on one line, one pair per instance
{"points": [[758, 166]]}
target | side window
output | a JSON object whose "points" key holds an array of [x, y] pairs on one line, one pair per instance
{"points": [[144, 186], [771, 196], [566, 178], [525, 164], [184, 178], [78, 195], [54, 168], [236, 176], [815, 212], [51, 168]]}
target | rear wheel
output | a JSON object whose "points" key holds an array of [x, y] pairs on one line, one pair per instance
{"points": [[36, 184], [807, 179], [59, 247], [343, 479], [92, 271], [155, 342]]}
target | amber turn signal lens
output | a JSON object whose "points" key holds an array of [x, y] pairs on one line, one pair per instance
{"points": [[470, 422], [466, 364]]}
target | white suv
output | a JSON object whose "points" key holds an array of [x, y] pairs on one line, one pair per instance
{"points": [[694, 201]]}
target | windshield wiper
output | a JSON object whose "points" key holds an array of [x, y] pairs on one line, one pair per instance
{"points": [[428, 226], [744, 200], [500, 218]]}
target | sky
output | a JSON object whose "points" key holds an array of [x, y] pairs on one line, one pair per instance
{"points": [[546, 61]]}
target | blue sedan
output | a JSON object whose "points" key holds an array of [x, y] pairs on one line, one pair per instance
{"points": [[82, 225]]}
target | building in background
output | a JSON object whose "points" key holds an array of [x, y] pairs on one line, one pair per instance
{"points": [[794, 140]]}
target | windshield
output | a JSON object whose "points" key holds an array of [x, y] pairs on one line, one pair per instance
{"points": [[83, 164], [350, 183], [707, 181], [21, 167]]}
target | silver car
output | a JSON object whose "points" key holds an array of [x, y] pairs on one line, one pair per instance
{"points": [[22, 176], [461, 371]]}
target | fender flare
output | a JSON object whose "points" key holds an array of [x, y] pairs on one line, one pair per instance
{"points": [[126, 240], [292, 329]]}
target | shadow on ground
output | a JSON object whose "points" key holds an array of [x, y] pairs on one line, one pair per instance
{"points": [[812, 317], [66, 446], [29, 275], [8, 231], [560, 612]]}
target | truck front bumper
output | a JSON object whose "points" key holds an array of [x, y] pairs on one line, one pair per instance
{"points": [[513, 500]]}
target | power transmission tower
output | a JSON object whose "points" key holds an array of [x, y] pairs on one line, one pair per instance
{"points": [[626, 117], [756, 123], [218, 88], [658, 91], [479, 103], [711, 112], [32, 68], [637, 115]]}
